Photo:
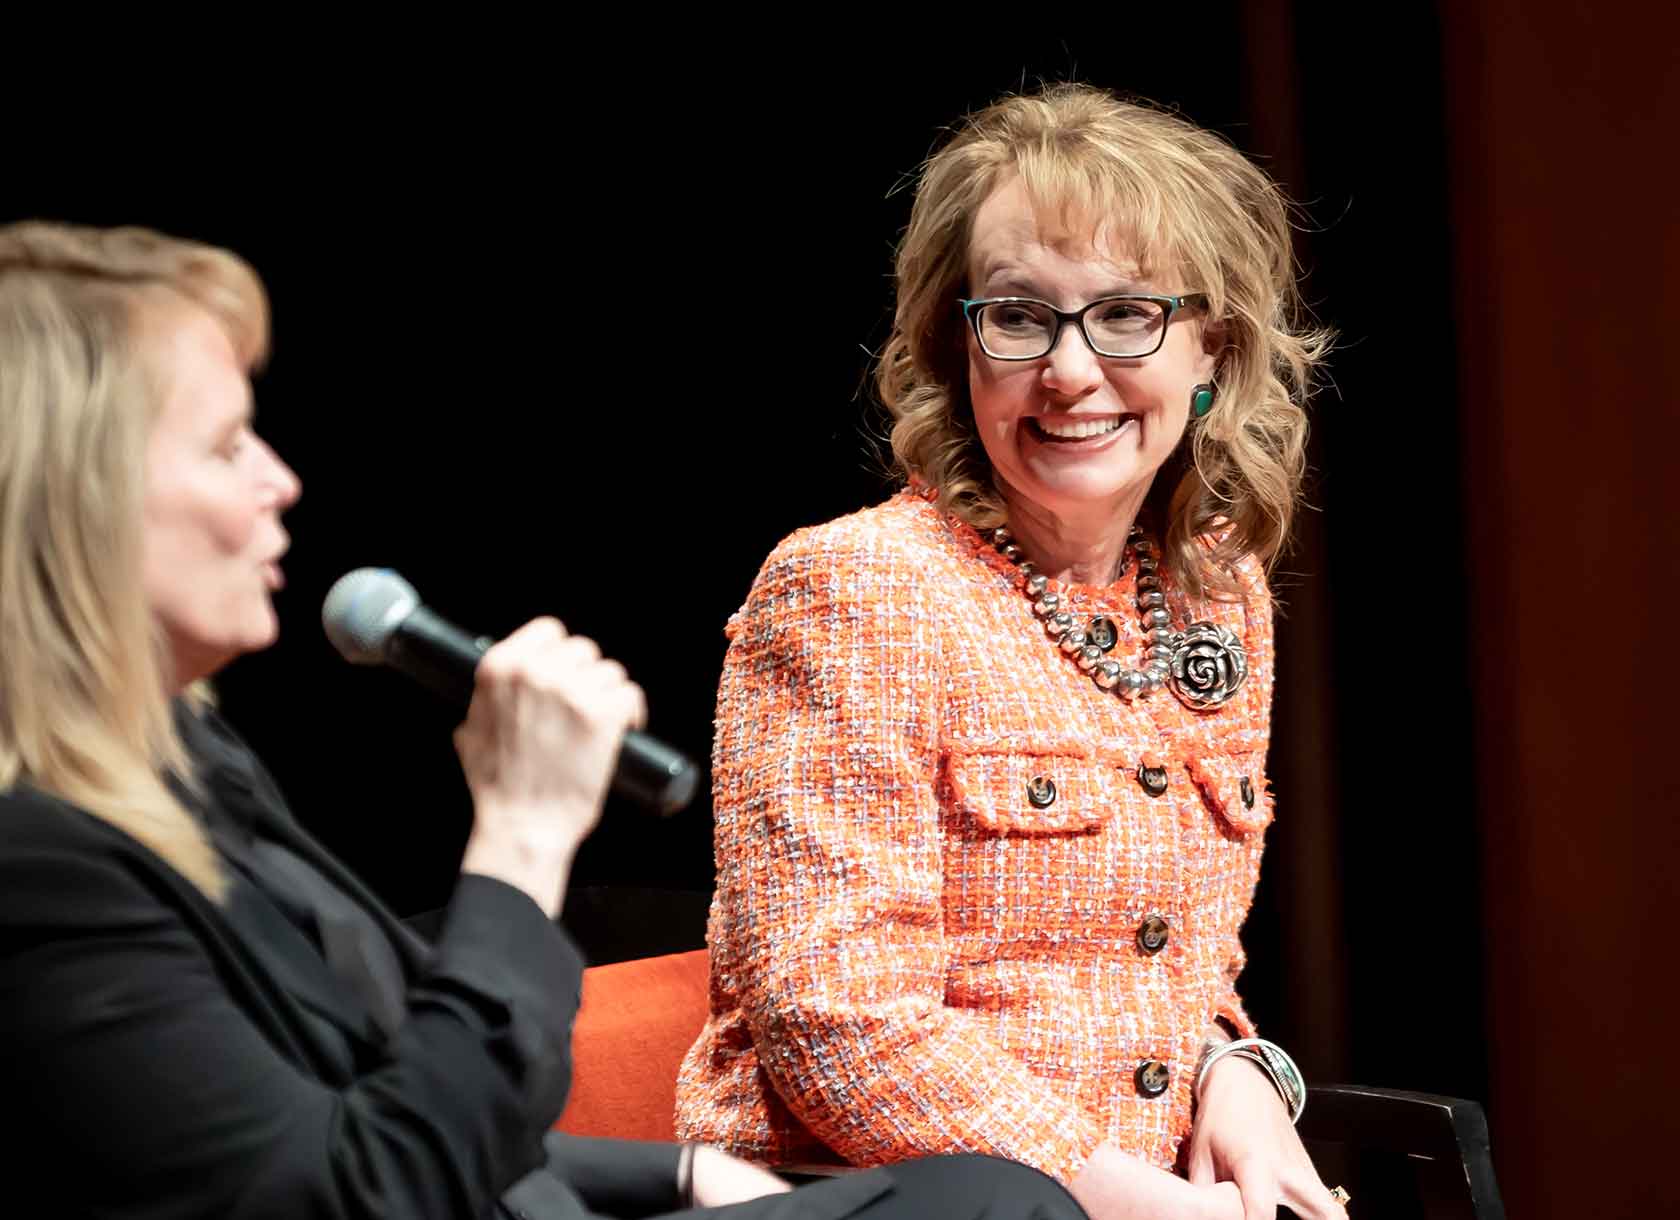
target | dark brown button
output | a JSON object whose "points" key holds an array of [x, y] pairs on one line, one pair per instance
{"points": [[1152, 1076], [1152, 934], [1102, 633], [1041, 791], [1153, 779], [1247, 790]]}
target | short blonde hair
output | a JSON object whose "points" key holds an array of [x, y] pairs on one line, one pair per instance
{"points": [[1190, 206], [84, 679]]}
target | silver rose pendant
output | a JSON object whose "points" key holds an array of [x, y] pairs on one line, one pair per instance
{"points": [[1208, 666]]}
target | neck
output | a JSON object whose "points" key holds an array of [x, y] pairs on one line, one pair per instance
{"points": [[188, 664], [1082, 547]]}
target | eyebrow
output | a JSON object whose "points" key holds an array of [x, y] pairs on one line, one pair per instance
{"points": [[241, 419], [1017, 289], [1014, 283]]}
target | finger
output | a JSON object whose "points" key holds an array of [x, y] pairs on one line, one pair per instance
{"points": [[616, 707], [604, 676], [572, 669], [540, 655], [1201, 1164], [605, 690], [1225, 1200], [574, 654], [517, 651], [1307, 1196], [1300, 1187], [621, 706], [545, 628], [501, 661], [1258, 1187]]}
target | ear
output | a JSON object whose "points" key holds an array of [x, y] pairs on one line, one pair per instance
{"points": [[1213, 347]]}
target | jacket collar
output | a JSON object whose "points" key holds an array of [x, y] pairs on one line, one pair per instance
{"points": [[239, 800]]}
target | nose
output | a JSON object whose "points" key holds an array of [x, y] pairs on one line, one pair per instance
{"points": [[1071, 369], [281, 479]]}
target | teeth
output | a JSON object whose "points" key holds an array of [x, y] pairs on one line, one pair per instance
{"points": [[1077, 429]]}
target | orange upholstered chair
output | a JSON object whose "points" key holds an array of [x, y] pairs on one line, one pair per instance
{"points": [[1415, 1153], [637, 1021]]}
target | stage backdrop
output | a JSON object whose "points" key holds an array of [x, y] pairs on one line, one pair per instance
{"points": [[586, 330]]}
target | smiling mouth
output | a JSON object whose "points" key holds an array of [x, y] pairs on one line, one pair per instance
{"points": [[1072, 429]]}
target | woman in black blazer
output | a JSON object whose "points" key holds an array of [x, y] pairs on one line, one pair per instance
{"points": [[201, 1012]]}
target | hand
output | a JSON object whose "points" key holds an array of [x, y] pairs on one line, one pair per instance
{"points": [[720, 1179], [1114, 1185], [1243, 1135], [548, 716]]}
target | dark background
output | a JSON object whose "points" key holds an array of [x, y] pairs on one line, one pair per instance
{"points": [[487, 262]]}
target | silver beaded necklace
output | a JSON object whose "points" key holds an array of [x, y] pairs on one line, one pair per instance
{"points": [[1203, 665]]}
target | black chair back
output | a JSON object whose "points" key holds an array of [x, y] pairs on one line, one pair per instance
{"points": [[1402, 1155]]}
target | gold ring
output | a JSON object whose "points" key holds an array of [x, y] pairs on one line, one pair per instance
{"points": [[1339, 1195]]}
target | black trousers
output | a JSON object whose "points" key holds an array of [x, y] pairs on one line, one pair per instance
{"points": [[935, 1188]]}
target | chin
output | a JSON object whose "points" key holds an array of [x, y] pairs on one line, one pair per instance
{"points": [[260, 630], [1090, 486], [264, 638]]}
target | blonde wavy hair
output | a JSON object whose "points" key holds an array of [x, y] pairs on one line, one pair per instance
{"points": [[1192, 207], [85, 682]]}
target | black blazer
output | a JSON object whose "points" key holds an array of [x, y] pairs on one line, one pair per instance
{"points": [[163, 1056]]}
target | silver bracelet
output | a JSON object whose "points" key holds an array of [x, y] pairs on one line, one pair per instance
{"points": [[1271, 1059], [685, 1175]]}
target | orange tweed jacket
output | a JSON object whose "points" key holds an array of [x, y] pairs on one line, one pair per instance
{"points": [[908, 956]]}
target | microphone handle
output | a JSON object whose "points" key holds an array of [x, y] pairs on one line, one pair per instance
{"points": [[436, 653], [654, 775]]}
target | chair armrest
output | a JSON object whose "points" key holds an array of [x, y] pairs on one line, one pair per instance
{"points": [[1425, 1126], [1418, 1124]]}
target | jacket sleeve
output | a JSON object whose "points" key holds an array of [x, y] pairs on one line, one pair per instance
{"points": [[830, 872], [1258, 644], [149, 1083], [620, 1178]]}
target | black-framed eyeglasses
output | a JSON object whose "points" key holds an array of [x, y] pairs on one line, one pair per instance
{"points": [[1127, 325]]}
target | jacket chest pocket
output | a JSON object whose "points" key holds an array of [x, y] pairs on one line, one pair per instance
{"points": [[1064, 846], [1033, 794], [1234, 789], [1046, 850]]}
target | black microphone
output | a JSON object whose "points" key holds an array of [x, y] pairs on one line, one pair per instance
{"points": [[374, 617]]}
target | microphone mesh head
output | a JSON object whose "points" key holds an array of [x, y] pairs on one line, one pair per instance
{"points": [[363, 608]]}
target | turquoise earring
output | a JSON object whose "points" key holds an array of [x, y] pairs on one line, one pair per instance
{"points": [[1201, 400]]}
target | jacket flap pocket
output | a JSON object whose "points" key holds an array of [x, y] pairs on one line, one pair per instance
{"points": [[1034, 793], [1234, 787]]}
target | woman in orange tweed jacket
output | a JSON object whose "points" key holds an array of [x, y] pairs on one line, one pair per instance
{"points": [[989, 766]]}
